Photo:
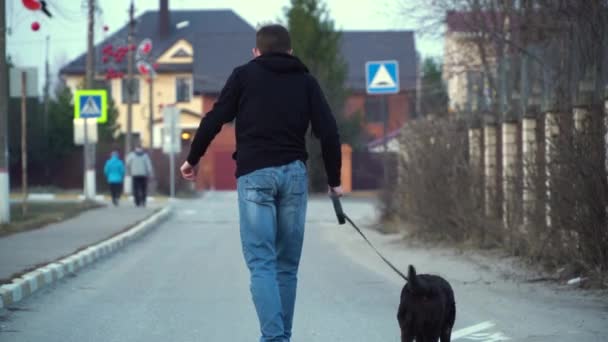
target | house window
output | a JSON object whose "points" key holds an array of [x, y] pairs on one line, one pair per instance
{"points": [[375, 108], [183, 89], [125, 90]]}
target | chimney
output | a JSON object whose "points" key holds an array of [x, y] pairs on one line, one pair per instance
{"points": [[163, 19]]}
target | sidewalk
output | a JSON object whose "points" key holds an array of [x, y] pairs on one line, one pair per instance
{"points": [[22, 251]]}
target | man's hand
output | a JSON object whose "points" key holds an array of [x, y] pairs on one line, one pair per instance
{"points": [[188, 172], [336, 191]]}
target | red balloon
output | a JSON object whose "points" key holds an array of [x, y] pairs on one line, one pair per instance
{"points": [[105, 59], [105, 28], [32, 5], [35, 26], [145, 46], [143, 68]]}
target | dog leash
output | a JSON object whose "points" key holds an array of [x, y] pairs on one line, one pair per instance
{"points": [[342, 218]]}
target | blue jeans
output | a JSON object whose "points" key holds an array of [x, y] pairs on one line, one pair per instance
{"points": [[272, 206]]}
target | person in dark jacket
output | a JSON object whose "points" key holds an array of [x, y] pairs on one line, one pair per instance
{"points": [[273, 100], [114, 169]]}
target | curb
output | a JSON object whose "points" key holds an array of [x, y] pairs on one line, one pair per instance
{"points": [[49, 197], [30, 282]]}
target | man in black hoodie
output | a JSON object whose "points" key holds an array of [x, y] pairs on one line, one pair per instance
{"points": [[273, 100]]}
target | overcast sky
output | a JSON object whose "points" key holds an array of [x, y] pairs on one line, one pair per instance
{"points": [[67, 28]]}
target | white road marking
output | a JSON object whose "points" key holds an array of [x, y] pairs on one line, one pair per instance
{"points": [[472, 329], [188, 212], [488, 337]]}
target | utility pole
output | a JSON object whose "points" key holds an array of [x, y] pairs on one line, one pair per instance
{"points": [[47, 84], [5, 213], [89, 162], [418, 86], [24, 142], [130, 56], [385, 119], [151, 109]]}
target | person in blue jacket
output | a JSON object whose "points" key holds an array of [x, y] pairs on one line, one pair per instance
{"points": [[115, 173]]}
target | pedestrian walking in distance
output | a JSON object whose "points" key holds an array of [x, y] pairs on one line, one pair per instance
{"points": [[140, 168], [114, 171], [273, 100]]}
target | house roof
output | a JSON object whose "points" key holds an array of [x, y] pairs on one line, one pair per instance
{"points": [[229, 51], [221, 40], [359, 47], [201, 22]]}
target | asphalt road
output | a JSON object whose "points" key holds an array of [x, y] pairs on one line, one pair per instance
{"points": [[187, 281]]}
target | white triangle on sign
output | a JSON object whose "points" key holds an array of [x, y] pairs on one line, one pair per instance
{"points": [[382, 79], [90, 107]]}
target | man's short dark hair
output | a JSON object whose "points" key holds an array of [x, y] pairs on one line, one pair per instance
{"points": [[273, 38]]}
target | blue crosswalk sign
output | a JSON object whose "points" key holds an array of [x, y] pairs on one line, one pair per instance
{"points": [[382, 77], [90, 106]]}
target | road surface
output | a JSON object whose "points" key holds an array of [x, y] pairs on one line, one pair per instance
{"points": [[186, 281]]}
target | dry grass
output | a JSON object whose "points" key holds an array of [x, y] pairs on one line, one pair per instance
{"points": [[41, 214]]}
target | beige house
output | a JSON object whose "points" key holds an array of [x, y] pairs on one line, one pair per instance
{"points": [[178, 38], [167, 88], [463, 65]]}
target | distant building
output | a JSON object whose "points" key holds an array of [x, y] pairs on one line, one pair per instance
{"points": [[462, 65], [196, 50]]}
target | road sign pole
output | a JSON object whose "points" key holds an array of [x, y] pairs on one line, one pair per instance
{"points": [[385, 118], [130, 58], [90, 104], [89, 160], [85, 157], [5, 212], [382, 78]]}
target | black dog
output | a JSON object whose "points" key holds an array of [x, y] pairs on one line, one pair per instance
{"points": [[427, 310]]}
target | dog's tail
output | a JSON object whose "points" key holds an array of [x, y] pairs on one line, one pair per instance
{"points": [[412, 280]]}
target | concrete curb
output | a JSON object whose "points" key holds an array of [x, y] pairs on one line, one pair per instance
{"points": [[50, 197], [30, 282]]}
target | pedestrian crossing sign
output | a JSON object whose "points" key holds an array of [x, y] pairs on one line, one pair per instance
{"points": [[382, 77], [91, 104]]}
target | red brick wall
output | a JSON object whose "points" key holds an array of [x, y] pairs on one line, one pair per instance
{"points": [[354, 103], [208, 102], [209, 173], [398, 106], [212, 176]]}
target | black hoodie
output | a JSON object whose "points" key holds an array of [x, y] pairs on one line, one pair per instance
{"points": [[274, 99]]}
